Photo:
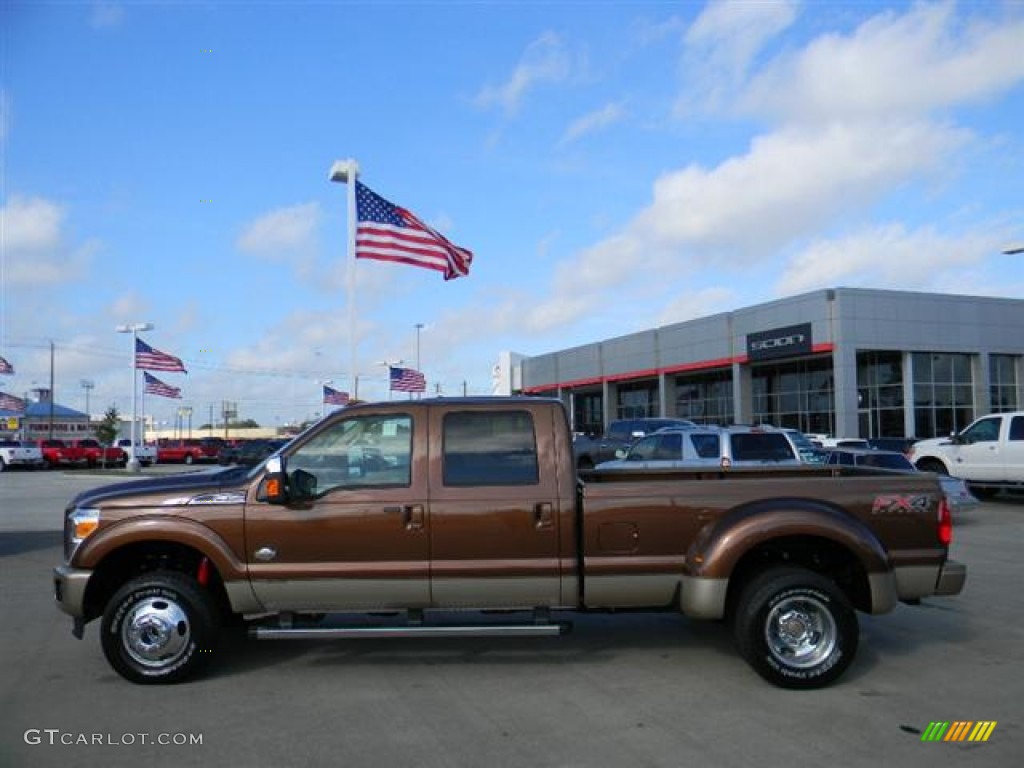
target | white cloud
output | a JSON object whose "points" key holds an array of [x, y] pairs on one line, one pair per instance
{"points": [[788, 184], [546, 60], [886, 255], [597, 120], [892, 64], [33, 244], [688, 306], [128, 307], [282, 232], [106, 15], [722, 44]]}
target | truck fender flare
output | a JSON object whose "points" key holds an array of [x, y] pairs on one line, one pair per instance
{"points": [[162, 528], [719, 546]]}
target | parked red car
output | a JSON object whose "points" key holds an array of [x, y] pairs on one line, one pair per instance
{"points": [[58, 453], [97, 454], [187, 451]]}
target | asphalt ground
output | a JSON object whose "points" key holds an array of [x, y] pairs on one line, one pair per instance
{"points": [[620, 690]]}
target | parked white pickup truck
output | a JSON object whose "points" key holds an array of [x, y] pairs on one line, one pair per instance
{"points": [[143, 453], [18, 454], [989, 454]]}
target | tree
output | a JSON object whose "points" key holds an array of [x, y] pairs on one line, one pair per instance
{"points": [[108, 428]]}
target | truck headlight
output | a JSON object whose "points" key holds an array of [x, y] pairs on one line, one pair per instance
{"points": [[81, 523]]}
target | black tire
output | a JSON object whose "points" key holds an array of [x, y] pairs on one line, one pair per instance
{"points": [[932, 465], [161, 627], [795, 628], [983, 493]]}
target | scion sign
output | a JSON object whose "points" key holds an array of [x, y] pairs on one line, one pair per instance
{"points": [[780, 342]]}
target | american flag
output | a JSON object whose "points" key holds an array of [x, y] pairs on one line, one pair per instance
{"points": [[5, 367], [387, 232], [156, 387], [406, 380], [155, 360], [334, 397], [11, 403]]}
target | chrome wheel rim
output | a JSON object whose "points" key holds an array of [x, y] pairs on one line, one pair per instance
{"points": [[801, 632], [156, 632]]}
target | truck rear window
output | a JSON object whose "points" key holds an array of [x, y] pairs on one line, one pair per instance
{"points": [[761, 446], [489, 448]]}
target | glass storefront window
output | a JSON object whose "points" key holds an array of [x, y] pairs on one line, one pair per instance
{"points": [[880, 393], [637, 401], [588, 413], [800, 395], [1002, 373], [705, 398], [943, 393]]}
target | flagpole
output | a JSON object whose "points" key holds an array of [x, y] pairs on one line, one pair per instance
{"points": [[134, 328], [347, 172]]}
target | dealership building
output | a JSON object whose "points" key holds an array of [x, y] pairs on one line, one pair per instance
{"points": [[848, 362]]}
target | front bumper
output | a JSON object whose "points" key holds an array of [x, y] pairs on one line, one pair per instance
{"points": [[951, 579], [69, 585]]}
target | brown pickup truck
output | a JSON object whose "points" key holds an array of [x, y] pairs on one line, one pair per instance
{"points": [[465, 505]]}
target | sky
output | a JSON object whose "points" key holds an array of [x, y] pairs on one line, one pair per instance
{"points": [[613, 166]]}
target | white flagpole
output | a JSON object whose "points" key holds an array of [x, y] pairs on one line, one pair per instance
{"points": [[347, 172]]}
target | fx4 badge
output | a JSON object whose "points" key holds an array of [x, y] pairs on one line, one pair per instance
{"points": [[899, 504]]}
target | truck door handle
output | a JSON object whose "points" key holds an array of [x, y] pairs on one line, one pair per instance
{"points": [[543, 515], [412, 517]]}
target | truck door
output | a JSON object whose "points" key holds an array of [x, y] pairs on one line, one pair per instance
{"points": [[1013, 451], [362, 542], [495, 507], [977, 455]]}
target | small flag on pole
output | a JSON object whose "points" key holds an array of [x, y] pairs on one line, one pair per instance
{"points": [[156, 387], [11, 403], [6, 367], [406, 380], [151, 359], [388, 232], [335, 397]]}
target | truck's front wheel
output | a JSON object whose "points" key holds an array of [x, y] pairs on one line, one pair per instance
{"points": [[159, 628], [795, 628]]}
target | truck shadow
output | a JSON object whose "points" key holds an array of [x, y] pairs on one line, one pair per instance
{"points": [[593, 639], [21, 542]]}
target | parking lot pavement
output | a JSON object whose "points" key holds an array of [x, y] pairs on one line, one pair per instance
{"points": [[620, 690]]}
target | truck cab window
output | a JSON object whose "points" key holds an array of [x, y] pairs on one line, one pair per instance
{"points": [[365, 451], [489, 448], [983, 431]]}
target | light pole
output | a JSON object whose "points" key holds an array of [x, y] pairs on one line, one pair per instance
{"points": [[419, 327], [347, 172], [87, 386], [134, 328]]}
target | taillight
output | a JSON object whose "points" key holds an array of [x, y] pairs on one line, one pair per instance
{"points": [[945, 530]]}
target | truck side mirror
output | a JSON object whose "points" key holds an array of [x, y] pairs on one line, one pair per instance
{"points": [[274, 487], [302, 484]]}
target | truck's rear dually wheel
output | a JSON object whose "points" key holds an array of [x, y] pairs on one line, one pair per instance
{"points": [[795, 628], [159, 628]]}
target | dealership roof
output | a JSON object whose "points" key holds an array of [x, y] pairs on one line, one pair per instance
{"points": [[38, 410]]}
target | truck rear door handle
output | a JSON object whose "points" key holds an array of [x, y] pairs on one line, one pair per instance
{"points": [[412, 517], [543, 515]]}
